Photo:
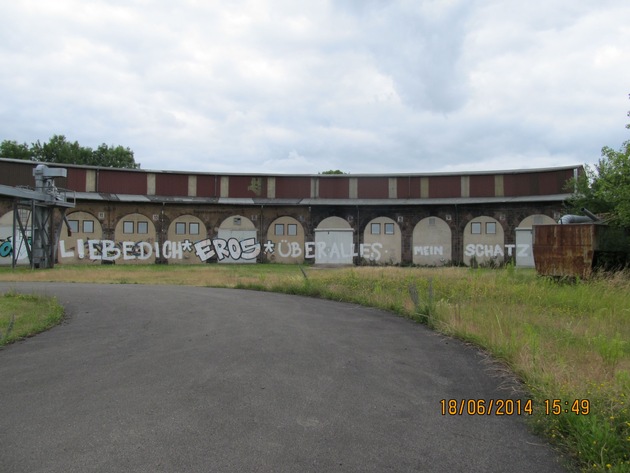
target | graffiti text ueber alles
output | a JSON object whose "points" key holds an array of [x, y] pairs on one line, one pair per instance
{"points": [[232, 249]]}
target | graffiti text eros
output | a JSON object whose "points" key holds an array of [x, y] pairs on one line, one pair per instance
{"points": [[247, 249]]}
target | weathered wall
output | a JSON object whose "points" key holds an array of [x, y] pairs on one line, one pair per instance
{"points": [[422, 235], [135, 216]]}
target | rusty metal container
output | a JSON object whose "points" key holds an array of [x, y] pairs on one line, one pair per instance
{"points": [[575, 250]]}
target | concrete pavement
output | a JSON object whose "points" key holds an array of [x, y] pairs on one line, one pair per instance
{"points": [[186, 379]]}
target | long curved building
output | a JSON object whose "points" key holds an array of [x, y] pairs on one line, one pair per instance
{"points": [[125, 216]]}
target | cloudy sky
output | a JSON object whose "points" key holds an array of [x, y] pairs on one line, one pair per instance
{"points": [[286, 86]]}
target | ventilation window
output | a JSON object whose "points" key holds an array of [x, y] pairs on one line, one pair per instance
{"points": [[180, 228], [127, 227]]}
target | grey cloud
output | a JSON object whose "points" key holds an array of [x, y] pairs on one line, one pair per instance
{"points": [[419, 46]]}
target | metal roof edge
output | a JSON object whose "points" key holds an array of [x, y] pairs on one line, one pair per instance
{"points": [[326, 176], [316, 202]]}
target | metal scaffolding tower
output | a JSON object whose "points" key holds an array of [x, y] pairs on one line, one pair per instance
{"points": [[33, 216]]}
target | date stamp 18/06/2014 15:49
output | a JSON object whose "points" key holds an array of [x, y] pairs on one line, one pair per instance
{"points": [[508, 407]]}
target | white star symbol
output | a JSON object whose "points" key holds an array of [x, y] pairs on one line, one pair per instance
{"points": [[186, 245], [269, 246]]}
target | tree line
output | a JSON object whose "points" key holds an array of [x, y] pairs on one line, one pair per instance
{"points": [[61, 151], [604, 189]]}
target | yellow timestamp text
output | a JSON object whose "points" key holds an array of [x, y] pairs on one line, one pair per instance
{"points": [[509, 407], [555, 407]]}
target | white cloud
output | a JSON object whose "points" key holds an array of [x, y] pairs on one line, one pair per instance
{"points": [[363, 86]]}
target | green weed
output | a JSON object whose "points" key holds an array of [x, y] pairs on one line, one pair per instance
{"points": [[23, 315]]}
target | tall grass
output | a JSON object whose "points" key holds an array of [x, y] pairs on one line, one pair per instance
{"points": [[566, 341]]}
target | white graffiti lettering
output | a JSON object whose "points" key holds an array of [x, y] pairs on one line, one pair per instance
{"points": [[493, 251], [293, 249], [109, 250], [282, 253], [250, 249], [145, 250], [320, 251], [523, 250], [204, 250], [371, 251], [334, 251], [233, 250], [428, 250], [127, 250], [62, 250], [247, 249], [92, 249], [220, 248], [172, 250]]}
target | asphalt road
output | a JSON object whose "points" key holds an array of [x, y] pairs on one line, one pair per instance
{"points": [[184, 379]]}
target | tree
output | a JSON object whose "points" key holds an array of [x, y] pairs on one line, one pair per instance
{"points": [[14, 150], [114, 157], [59, 150], [333, 171], [613, 182], [605, 189]]}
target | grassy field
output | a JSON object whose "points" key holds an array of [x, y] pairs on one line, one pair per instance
{"points": [[24, 315], [566, 342]]}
